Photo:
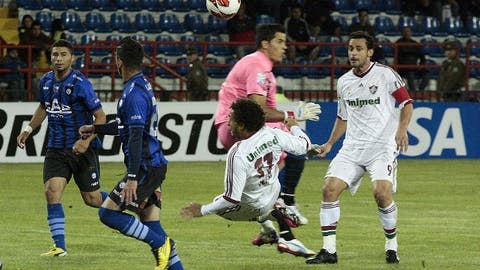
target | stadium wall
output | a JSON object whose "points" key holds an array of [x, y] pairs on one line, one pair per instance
{"points": [[437, 130]]}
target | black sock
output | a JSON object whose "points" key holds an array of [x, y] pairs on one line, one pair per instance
{"points": [[285, 231]]}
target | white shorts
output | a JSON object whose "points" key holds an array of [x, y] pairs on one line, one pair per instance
{"points": [[350, 164], [248, 212]]}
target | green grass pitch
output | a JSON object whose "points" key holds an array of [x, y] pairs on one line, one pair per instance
{"points": [[438, 228]]}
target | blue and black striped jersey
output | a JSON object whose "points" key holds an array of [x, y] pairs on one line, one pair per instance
{"points": [[137, 107], [70, 104]]}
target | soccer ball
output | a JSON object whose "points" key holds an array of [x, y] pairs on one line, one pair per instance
{"points": [[224, 9]]}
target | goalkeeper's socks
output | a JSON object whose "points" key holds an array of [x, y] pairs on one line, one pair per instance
{"points": [[56, 223], [130, 226], [285, 231], [329, 216], [294, 166]]}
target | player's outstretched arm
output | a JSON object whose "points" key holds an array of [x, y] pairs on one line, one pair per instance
{"points": [[190, 211], [38, 116]]}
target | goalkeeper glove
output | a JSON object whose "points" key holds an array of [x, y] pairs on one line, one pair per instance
{"points": [[305, 111]]}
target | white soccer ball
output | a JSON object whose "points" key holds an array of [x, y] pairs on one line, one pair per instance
{"points": [[224, 9]]}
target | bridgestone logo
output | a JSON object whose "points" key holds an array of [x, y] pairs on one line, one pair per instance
{"points": [[362, 102]]}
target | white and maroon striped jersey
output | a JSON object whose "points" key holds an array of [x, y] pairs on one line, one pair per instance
{"points": [[367, 102], [251, 173]]}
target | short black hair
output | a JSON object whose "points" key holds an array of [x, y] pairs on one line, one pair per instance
{"points": [[248, 113], [130, 52], [267, 32], [365, 35], [63, 43]]}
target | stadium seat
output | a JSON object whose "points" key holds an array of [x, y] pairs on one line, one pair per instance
{"points": [[153, 5], [79, 5], [96, 22], [339, 49], [192, 42], [385, 25], [454, 26], [71, 38], [30, 4], [310, 72], [286, 72], [474, 48], [326, 71], [344, 6], [45, 18], [391, 7], [342, 21], [108, 65], [473, 25], [434, 70], [169, 49], [213, 71], [163, 73], [432, 26], [404, 21], [182, 67], [388, 50], [216, 25], [474, 72], [216, 49], [104, 5], [121, 22], [114, 37], [231, 62], [432, 50], [145, 22], [72, 22], [147, 47], [177, 5], [197, 5], [54, 4], [365, 4], [88, 39], [264, 18], [169, 22], [194, 23], [128, 5]]}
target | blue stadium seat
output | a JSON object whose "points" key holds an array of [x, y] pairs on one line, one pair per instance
{"points": [[385, 25], [145, 22], [88, 39], [128, 5], [340, 50], [193, 43], [104, 5], [153, 5], [432, 26], [194, 23], [183, 68], [388, 50], [454, 26], [432, 50], [404, 21], [54, 4], [342, 21], [167, 48], [264, 18], [163, 73], [95, 21], [109, 65], [231, 61], [365, 4], [310, 72], [286, 72], [433, 71], [121, 22], [214, 72], [71, 38], [30, 4], [45, 18], [326, 71], [79, 5], [473, 25], [391, 7], [147, 47], [169, 22], [474, 71], [475, 48], [177, 5], [197, 5], [216, 49], [216, 25], [114, 37], [72, 22], [344, 6]]}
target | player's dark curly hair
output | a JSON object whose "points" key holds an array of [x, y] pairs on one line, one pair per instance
{"points": [[267, 32], [130, 52], [365, 35], [249, 113], [63, 43]]}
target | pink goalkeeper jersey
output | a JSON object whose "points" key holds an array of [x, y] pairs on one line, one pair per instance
{"points": [[250, 75]]}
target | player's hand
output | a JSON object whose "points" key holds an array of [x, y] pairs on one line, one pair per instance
{"points": [[22, 137], [401, 138], [314, 151], [86, 130], [291, 122], [323, 149], [129, 192], [191, 211], [307, 111], [81, 146]]}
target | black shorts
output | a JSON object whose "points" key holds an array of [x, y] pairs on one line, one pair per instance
{"points": [[148, 189], [64, 163]]}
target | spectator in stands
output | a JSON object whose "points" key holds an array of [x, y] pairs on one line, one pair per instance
{"points": [[14, 79], [450, 9], [25, 28], [363, 23], [197, 78], [41, 41], [451, 78], [297, 30], [430, 8], [316, 12], [242, 28], [58, 30], [411, 55]]}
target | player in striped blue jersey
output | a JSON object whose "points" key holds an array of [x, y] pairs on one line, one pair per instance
{"points": [[139, 191], [68, 100]]}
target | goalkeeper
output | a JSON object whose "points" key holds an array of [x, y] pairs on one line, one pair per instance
{"points": [[252, 78]]}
